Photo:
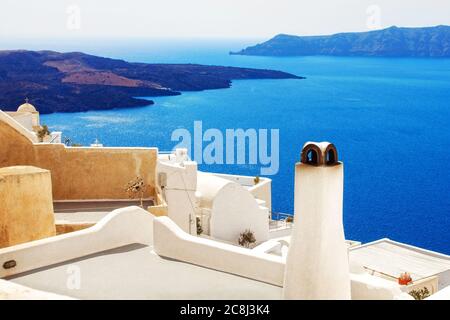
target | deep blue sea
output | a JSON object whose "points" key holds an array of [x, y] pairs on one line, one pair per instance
{"points": [[389, 119]]}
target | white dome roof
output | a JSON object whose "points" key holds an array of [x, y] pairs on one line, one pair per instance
{"points": [[26, 107]]}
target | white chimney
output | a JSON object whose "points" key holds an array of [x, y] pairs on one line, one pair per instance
{"points": [[317, 263]]}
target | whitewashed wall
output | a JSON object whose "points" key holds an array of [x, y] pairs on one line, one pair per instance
{"points": [[179, 192], [119, 228], [234, 210], [25, 120], [170, 241], [262, 190]]}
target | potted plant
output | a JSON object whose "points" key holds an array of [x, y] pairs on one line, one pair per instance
{"points": [[42, 133], [199, 226], [246, 238], [136, 188], [420, 294]]}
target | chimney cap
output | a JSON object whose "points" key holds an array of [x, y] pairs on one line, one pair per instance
{"points": [[319, 154]]}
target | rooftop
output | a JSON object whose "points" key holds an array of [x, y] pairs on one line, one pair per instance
{"points": [[392, 258], [136, 272]]}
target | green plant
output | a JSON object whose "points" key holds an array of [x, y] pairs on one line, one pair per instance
{"points": [[199, 226], [43, 132], [256, 180], [420, 294], [136, 187], [246, 238]]}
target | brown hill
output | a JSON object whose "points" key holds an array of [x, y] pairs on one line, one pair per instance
{"points": [[70, 82]]}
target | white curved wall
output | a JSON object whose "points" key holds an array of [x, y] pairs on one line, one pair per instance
{"points": [[13, 291], [208, 187], [234, 210], [171, 242], [262, 190], [119, 228]]}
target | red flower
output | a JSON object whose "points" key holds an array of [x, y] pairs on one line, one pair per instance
{"points": [[404, 279]]}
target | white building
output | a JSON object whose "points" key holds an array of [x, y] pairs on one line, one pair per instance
{"points": [[225, 205], [28, 118]]}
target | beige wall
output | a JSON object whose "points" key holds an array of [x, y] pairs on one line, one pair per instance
{"points": [[80, 173], [26, 205]]}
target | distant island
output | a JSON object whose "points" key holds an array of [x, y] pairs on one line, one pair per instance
{"points": [[72, 82], [390, 42]]}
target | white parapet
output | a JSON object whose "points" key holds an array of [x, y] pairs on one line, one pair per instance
{"points": [[8, 119], [119, 228], [317, 263], [367, 287], [172, 242], [14, 291]]}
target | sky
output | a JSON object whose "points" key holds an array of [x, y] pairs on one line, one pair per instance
{"points": [[210, 18]]}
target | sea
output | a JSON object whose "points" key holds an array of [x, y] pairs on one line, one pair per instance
{"points": [[388, 117]]}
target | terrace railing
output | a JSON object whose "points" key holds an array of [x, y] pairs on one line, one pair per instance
{"points": [[281, 220]]}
